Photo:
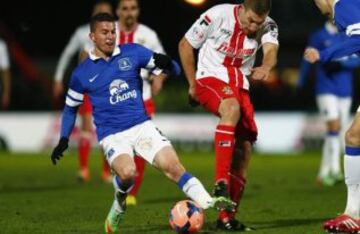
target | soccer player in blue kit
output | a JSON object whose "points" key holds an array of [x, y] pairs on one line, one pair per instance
{"points": [[333, 90], [346, 16], [111, 78]]}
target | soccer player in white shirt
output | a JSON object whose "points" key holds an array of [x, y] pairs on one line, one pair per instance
{"points": [[5, 76], [129, 30], [80, 43], [228, 37]]}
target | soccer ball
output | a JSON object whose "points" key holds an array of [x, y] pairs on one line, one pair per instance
{"points": [[186, 217]]}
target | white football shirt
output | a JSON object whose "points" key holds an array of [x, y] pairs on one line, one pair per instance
{"points": [[226, 53]]}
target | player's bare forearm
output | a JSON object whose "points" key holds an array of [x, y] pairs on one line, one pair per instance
{"points": [[187, 57], [157, 83], [262, 72], [270, 52]]}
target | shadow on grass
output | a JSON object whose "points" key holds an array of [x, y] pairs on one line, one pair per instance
{"points": [[285, 223], [164, 200], [149, 229]]}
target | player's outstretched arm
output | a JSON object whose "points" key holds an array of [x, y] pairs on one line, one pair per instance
{"points": [[67, 124], [69, 51], [305, 68], [269, 61], [187, 57], [347, 47], [165, 63], [59, 150]]}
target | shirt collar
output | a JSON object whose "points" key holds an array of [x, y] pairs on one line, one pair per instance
{"points": [[94, 57]]}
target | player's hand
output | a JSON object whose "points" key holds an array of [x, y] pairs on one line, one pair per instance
{"points": [[260, 73], [312, 55], [193, 100], [58, 89], [59, 150]]}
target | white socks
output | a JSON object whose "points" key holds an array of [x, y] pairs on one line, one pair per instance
{"points": [[330, 163], [194, 189], [352, 180]]}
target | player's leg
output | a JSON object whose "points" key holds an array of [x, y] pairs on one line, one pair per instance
{"points": [[139, 161], [85, 140], [349, 221], [344, 109], [106, 175], [119, 154], [246, 135], [124, 167], [157, 150], [140, 169], [328, 105], [219, 98]]}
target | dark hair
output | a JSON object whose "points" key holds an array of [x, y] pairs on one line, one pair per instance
{"points": [[101, 17], [100, 2], [259, 7], [120, 1]]}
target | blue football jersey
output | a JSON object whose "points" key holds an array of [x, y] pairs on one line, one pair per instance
{"points": [[347, 16], [114, 88], [347, 19], [338, 83]]}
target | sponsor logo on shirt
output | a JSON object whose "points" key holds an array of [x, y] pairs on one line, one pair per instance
{"points": [[120, 91], [232, 52], [227, 32]]}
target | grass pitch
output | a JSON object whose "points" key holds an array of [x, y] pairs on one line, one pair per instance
{"points": [[281, 197]]}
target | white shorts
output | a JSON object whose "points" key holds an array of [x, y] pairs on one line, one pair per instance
{"points": [[143, 139], [332, 107]]}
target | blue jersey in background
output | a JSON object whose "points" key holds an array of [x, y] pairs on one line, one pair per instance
{"points": [[347, 20], [338, 82]]}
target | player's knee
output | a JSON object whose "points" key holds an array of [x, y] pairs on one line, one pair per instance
{"points": [[127, 173], [352, 138], [230, 109]]}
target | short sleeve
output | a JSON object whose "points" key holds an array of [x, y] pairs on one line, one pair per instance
{"points": [[270, 32], [144, 56], [202, 28]]}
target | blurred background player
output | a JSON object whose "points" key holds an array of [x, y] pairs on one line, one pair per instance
{"points": [[80, 43], [228, 37], [129, 30], [334, 97], [5, 75], [346, 16]]}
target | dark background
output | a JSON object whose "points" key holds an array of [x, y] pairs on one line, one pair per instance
{"points": [[41, 29]]}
